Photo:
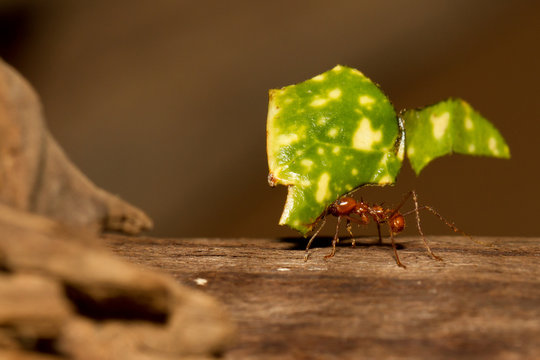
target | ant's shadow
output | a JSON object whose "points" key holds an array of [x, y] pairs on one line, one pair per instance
{"points": [[300, 243]]}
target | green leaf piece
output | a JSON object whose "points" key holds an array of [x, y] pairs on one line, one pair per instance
{"points": [[327, 136], [450, 126]]}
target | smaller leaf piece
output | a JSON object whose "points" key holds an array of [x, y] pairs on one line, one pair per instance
{"points": [[447, 127]]}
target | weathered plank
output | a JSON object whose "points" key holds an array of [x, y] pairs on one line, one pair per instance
{"points": [[481, 302]]}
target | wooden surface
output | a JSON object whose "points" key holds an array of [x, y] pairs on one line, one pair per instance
{"points": [[481, 302]]}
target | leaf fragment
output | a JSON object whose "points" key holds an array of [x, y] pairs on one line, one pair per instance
{"points": [[327, 136], [447, 127]]}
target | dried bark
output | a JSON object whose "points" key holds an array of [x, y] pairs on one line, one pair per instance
{"points": [[64, 295], [37, 176]]}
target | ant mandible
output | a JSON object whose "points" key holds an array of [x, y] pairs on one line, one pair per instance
{"points": [[362, 213]]}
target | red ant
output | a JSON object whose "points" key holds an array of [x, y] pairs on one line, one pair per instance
{"points": [[362, 213]]}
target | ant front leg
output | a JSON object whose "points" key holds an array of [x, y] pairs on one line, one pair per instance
{"points": [[398, 262], [313, 237], [448, 223], [335, 240], [417, 212], [434, 212]]}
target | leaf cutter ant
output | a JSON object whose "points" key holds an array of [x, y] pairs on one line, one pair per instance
{"points": [[362, 213]]}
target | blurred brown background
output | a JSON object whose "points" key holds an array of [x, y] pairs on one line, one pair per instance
{"points": [[164, 102]]}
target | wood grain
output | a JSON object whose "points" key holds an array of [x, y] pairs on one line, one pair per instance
{"points": [[481, 302]]}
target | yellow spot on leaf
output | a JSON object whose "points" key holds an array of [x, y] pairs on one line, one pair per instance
{"points": [[307, 163], [410, 150], [493, 146], [365, 100], [319, 77], [320, 151], [333, 132], [440, 124], [468, 123], [334, 94], [364, 136], [286, 139], [322, 188], [471, 148], [336, 150], [337, 68], [386, 179], [319, 102], [354, 171], [322, 120], [305, 182]]}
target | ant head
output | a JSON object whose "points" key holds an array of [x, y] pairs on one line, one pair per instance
{"points": [[343, 206], [397, 223]]}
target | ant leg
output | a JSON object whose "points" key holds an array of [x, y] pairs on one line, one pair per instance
{"points": [[349, 229], [312, 238], [379, 231], [448, 223], [398, 262], [417, 211], [335, 240]]}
